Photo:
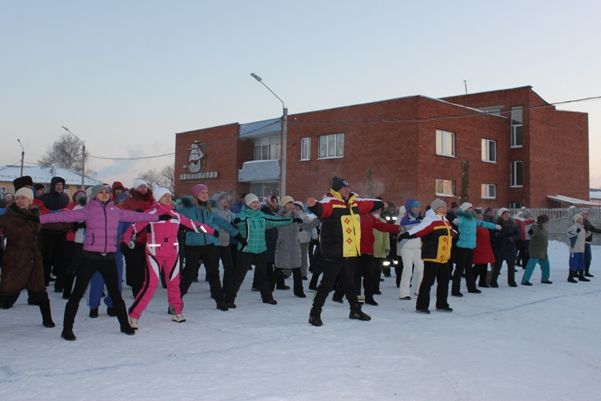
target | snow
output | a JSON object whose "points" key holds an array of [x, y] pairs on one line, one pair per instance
{"points": [[526, 343]]}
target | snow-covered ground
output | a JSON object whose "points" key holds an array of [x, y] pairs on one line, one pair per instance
{"points": [[526, 343]]}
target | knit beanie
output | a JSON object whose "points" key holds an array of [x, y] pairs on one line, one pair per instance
{"points": [[26, 192], [287, 199], [198, 188], [250, 198], [24, 181], [117, 185], [577, 217], [138, 182], [97, 188], [338, 183], [501, 211], [465, 205], [158, 192], [437, 204]]}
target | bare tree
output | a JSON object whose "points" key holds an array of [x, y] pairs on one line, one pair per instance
{"points": [[163, 178], [64, 152]]}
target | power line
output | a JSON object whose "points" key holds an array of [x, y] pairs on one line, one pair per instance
{"points": [[131, 158]]}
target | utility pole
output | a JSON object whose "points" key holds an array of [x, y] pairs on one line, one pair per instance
{"points": [[22, 155]]}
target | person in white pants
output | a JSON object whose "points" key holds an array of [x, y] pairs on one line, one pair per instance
{"points": [[410, 251]]}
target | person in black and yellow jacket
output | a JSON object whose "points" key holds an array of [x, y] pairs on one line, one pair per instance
{"points": [[437, 239], [340, 241]]}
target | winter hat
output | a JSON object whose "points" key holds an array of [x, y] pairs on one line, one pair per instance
{"points": [[78, 193], [577, 216], [250, 198], [198, 188], [24, 181], [158, 192], [26, 192], [437, 204], [118, 185], [542, 219], [97, 188], [465, 205], [299, 204], [138, 182], [37, 187], [501, 211], [338, 183], [287, 199]]}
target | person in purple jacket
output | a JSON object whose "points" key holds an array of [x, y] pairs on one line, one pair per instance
{"points": [[102, 220]]}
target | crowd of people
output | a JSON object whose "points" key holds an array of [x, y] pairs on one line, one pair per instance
{"points": [[89, 241]]}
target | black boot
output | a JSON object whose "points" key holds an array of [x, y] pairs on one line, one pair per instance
{"points": [[298, 283], [572, 277], [358, 314], [46, 314], [315, 317], [587, 272], [581, 276], [119, 307], [69, 317]]}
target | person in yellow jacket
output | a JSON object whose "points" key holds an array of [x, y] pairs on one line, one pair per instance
{"points": [[437, 240]]}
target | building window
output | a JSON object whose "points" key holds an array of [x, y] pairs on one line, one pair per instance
{"points": [[305, 146], [489, 151], [515, 204], [516, 174], [264, 189], [517, 135], [488, 191], [331, 146], [445, 143], [445, 187], [493, 110], [267, 148]]}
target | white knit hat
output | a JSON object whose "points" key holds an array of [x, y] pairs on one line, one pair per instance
{"points": [[139, 182], [250, 198], [501, 211], [465, 205], [26, 192], [158, 192]]}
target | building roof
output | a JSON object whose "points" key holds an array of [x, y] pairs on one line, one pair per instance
{"points": [[43, 175], [570, 200]]}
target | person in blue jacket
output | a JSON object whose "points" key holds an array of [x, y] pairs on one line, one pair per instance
{"points": [[466, 223], [202, 246]]}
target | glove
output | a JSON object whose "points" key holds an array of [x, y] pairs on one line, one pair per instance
{"points": [[530, 232], [236, 221], [216, 233], [297, 220], [578, 230], [241, 240], [498, 227], [403, 236], [165, 217]]}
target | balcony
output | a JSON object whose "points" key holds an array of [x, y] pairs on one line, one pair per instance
{"points": [[259, 171]]}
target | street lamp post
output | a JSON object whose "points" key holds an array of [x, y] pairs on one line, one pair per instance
{"points": [[284, 138], [83, 155], [22, 156]]}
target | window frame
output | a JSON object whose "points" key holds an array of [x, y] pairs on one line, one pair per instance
{"points": [[485, 150], [440, 138], [444, 182], [485, 194], [512, 174], [334, 146], [305, 148]]}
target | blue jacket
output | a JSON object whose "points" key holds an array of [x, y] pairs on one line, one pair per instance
{"points": [[466, 224], [205, 216]]}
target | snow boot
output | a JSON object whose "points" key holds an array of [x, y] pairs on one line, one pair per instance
{"points": [[127, 329], [357, 314], [111, 311], [178, 318], [46, 315], [587, 272], [94, 313], [572, 277], [315, 317], [68, 335], [133, 323], [581, 276]]}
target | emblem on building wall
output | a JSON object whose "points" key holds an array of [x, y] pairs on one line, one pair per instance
{"points": [[195, 168]]}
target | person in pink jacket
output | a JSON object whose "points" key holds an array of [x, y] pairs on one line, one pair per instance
{"points": [[162, 254], [102, 219]]}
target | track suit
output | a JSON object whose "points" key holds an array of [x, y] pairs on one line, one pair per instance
{"points": [[162, 253], [410, 251]]}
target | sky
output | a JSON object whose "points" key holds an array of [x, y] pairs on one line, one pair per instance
{"points": [[521, 344], [125, 76]]}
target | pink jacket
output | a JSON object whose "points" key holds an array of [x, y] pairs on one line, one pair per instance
{"points": [[102, 222], [161, 236]]}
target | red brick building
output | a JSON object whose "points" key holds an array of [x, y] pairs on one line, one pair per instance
{"points": [[499, 148]]}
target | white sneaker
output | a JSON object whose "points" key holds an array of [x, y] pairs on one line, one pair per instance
{"points": [[133, 322], [178, 318]]}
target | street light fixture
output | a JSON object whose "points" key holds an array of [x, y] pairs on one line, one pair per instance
{"points": [[284, 138], [83, 155]]}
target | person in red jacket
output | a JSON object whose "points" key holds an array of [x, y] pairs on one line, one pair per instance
{"points": [[483, 254], [140, 199]]}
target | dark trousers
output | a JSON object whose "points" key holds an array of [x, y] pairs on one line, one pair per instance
{"points": [[210, 259], [224, 253], [333, 268], [497, 270], [92, 263], [75, 251], [315, 267], [588, 256], [135, 267], [463, 263], [365, 275], [440, 273], [53, 254], [523, 255], [480, 274], [243, 262]]}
